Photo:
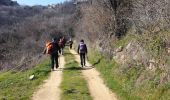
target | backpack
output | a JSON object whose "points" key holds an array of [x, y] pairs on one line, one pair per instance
{"points": [[49, 47], [82, 48]]}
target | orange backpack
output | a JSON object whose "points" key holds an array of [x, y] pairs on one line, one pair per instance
{"points": [[49, 47]]}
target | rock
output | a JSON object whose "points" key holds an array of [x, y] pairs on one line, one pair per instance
{"points": [[120, 58], [120, 49], [32, 77], [152, 64], [132, 53], [129, 46], [168, 50], [152, 61]]}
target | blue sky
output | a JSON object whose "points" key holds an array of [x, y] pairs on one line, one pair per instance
{"points": [[38, 2]]}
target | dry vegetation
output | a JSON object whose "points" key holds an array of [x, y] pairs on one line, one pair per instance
{"points": [[25, 29], [102, 22], [113, 18], [109, 24], [104, 25]]}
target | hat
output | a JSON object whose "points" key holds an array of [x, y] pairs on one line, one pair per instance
{"points": [[82, 40]]}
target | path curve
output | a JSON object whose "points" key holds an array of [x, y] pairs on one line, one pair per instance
{"points": [[98, 89], [50, 89]]}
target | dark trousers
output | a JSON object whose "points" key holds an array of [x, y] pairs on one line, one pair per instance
{"points": [[83, 59], [70, 46], [54, 60]]}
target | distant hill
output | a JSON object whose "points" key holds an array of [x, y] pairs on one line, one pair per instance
{"points": [[23, 31], [8, 3]]}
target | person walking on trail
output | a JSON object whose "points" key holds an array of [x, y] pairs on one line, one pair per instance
{"points": [[61, 44], [52, 48], [71, 43], [82, 50]]}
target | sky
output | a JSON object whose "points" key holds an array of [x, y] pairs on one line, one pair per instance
{"points": [[38, 2]]}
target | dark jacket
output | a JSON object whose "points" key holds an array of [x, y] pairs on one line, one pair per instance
{"points": [[55, 48], [84, 50]]}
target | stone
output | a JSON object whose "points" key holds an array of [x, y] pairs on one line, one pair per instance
{"points": [[129, 46], [32, 77], [152, 64], [168, 50], [152, 61], [120, 49]]}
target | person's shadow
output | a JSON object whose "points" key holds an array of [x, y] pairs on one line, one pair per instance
{"points": [[69, 54], [96, 63], [81, 68]]}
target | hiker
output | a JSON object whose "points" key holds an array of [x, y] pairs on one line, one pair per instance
{"points": [[82, 50], [71, 43], [52, 48], [61, 44]]}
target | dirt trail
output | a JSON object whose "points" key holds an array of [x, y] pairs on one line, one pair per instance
{"points": [[97, 88], [50, 89]]}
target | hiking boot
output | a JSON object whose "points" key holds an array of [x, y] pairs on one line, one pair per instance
{"points": [[52, 69], [81, 65], [56, 66]]}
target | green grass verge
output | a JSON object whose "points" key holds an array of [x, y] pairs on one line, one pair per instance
{"points": [[73, 86], [124, 82], [17, 86], [111, 77]]}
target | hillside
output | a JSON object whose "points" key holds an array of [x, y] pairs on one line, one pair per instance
{"points": [[8, 3], [129, 40], [24, 31], [135, 34]]}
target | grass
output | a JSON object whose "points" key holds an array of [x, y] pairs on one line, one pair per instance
{"points": [[73, 86], [111, 76], [17, 86], [123, 82], [124, 40]]}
